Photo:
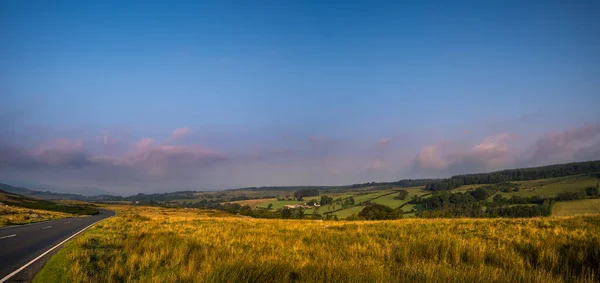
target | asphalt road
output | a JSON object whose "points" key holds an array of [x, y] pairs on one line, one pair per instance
{"points": [[19, 245]]}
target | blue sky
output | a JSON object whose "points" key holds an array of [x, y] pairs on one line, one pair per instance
{"points": [[275, 93]]}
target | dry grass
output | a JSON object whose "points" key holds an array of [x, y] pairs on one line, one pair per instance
{"points": [[15, 215], [146, 244]]}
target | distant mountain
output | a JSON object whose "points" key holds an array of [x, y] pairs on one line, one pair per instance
{"points": [[84, 191], [20, 200], [48, 195]]}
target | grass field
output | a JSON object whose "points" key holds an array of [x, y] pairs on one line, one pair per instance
{"points": [[151, 244], [349, 211], [394, 203], [17, 215], [551, 187], [278, 203], [576, 207]]}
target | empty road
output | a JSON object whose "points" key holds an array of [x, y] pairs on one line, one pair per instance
{"points": [[19, 245]]}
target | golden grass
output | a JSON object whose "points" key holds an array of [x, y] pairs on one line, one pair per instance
{"points": [[16, 215], [149, 244]]}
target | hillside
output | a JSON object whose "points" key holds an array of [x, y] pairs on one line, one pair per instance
{"points": [[16, 200]]}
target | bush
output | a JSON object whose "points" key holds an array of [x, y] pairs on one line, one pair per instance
{"points": [[402, 194], [375, 211], [565, 196], [591, 191]]}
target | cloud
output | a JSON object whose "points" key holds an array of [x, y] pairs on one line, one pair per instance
{"points": [[145, 157], [384, 142], [568, 145], [429, 157], [499, 152], [377, 164], [178, 133], [492, 152], [318, 139], [150, 165], [61, 153]]}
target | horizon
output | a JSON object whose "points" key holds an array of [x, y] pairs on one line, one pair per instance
{"points": [[146, 98]]}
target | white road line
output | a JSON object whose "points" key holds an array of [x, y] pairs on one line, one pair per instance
{"points": [[9, 236], [46, 252], [46, 227], [68, 222]]}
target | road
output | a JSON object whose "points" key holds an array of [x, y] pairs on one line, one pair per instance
{"points": [[19, 245]]}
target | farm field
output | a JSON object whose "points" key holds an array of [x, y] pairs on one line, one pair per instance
{"points": [[576, 207], [395, 203], [151, 244], [277, 204], [349, 211], [551, 187]]}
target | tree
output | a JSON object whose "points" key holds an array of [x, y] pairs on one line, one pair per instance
{"points": [[375, 211], [480, 193], [299, 213], [402, 194], [286, 213], [270, 206], [591, 191], [325, 200]]}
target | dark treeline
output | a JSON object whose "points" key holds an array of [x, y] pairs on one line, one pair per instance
{"points": [[405, 183], [522, 174]]}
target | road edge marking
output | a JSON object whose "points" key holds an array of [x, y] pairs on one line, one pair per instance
{"points": [[46, 252], [9, 236]]}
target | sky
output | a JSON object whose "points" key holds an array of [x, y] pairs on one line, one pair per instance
{"points": [[158, 96]]}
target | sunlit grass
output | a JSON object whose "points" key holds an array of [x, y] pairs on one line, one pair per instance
{"points": [[17, 215], [147, 244]]}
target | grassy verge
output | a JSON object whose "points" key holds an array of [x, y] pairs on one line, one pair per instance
{"points": [[17, 215], [148, 244]]}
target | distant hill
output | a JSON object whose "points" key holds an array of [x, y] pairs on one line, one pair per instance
{"points": [[18, 200], [48, 195], [40, 186]]}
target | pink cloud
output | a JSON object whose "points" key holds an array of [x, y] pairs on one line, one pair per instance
{"points": [[429, 157], [492, 152], [178, 133], [161, 159], [384, 142], [61, 152], [566, 145]]}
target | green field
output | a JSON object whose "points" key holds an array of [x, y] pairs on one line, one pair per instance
{"points": [[576, 207], [349, 211], [551, 187], [277, 204], [395, 203]]}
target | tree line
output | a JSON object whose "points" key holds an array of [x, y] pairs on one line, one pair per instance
{"points": [[521, 174]]}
